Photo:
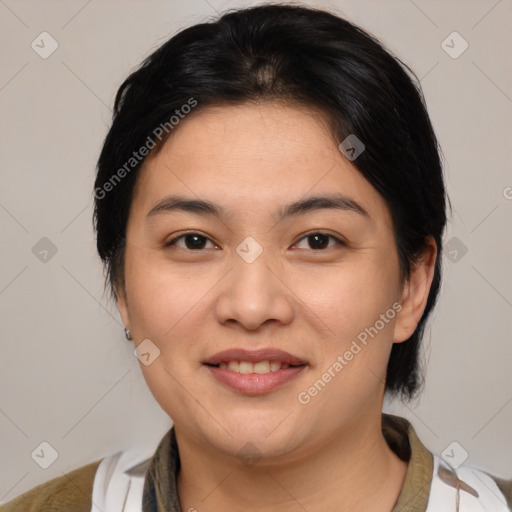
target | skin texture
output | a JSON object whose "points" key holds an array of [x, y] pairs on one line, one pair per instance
{"points": [[253, 159]]}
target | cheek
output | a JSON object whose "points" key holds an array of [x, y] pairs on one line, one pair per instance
{"points": [[167, 306], [355, 308], [348, 298], [168, 303], [157, 298]]}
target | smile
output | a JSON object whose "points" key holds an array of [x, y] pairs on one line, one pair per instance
{"points": [[247, 367], [244, 377]]}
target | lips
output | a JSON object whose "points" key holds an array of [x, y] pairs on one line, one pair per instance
{"points": [[254, 372], [254, 356]]}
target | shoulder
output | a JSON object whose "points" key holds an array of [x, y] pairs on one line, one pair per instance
{"points": [[434, 485], [71, 491], [505, 486], [471, 488], [489, 487]]}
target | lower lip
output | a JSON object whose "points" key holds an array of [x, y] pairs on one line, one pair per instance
{"points": [[254, 383]]}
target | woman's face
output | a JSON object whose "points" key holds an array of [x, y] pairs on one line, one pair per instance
{"points": [[251, 277]]}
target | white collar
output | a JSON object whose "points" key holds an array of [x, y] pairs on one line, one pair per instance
{"points": [[119, 480], [443, 497]]}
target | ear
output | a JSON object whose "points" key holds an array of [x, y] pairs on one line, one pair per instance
{"points": [[122, 306], [415, 293]]}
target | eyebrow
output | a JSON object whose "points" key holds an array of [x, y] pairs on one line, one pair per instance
{"points": [[301, 207]]}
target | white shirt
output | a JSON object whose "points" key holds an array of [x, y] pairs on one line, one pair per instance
{"points": [[119, 480]]}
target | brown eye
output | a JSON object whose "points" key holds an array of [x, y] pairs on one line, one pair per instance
{"points": [[318, 241], [192, 241]]}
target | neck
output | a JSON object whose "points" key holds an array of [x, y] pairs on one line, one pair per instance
{"points": [[352, 471]]}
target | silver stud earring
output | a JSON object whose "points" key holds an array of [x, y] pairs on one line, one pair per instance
{"points": [[128, 334]]}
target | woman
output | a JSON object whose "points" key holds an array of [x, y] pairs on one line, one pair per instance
{"points": [[270, 206]]}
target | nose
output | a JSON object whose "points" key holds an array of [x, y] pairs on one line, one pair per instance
{"points": [[254, 294]]}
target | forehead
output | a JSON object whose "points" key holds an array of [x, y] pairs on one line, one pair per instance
{"points": [[248, 154]]}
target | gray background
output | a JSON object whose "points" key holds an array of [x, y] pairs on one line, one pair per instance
{"points": [[68, 376]]}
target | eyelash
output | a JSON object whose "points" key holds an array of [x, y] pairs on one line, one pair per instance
{"points": [[173, 241]]}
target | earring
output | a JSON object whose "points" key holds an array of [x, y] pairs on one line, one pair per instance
{"points": [[127, 334]]}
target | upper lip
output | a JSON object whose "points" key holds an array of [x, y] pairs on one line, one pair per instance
{"points": [[253, 356]]}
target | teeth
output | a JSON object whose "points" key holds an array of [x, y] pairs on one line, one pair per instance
{"points": [[234, 366], [261, 367], [246, 367], [275, 365]]}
